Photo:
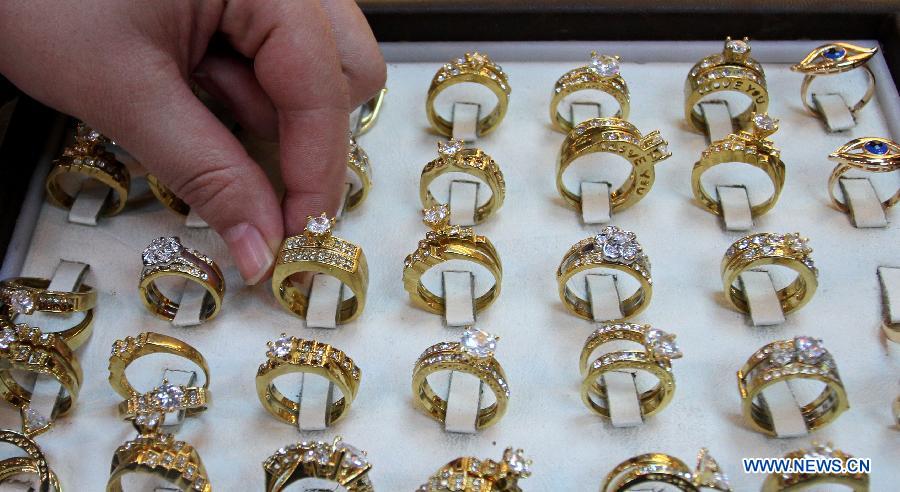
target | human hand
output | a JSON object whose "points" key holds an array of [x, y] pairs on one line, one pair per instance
{"points": [[291, 70]]}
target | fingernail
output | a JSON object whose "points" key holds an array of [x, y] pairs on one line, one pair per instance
{"points": [[251, 253]]}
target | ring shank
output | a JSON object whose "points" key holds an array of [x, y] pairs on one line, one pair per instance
{"points": [[434, 405], [486, 123], [807, 97], [773, 167], [630, 306], [791, 297]]}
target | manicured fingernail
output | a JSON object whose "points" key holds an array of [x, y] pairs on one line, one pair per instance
{"points": [[251, 253]]}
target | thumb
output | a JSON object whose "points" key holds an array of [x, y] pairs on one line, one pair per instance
{"points": [[181, 142]]}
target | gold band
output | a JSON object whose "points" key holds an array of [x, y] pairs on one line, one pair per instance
{"points": [[28, 349], [161, 455], [656, 468], [129, 349], [289, 355], [473, 354], [477, 68], [165, 398], [336, 462], [25, 295], [867, 154], [656, 358], [317, 251], [166, 196], [88, 157], [446, 243], [358, 163], [602, 74], [35, 462], [453, 158], [370, 111], [613, 249], [166, 256], [733, 70], [783, 482], [831, 59], [782, 361], [472, 474], [757, 250], [617, 137], [753, 148]]}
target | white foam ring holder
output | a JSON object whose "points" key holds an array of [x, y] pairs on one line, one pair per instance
{"points": [[862, 200], [190, 306], [835, 110], [463, 201], [762, 299], [595, 207], [464, 391], [890, 290], [621, 390], [315, 397], [787, 419], [89, 202], [733, 199], [325, 296], [459, 297], [15, 484]]}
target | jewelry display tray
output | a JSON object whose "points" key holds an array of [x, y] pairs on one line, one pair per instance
{"points": [[572, 448]]}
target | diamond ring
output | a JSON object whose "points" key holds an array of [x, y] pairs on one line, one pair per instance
{"points": [[35, 463], [867, 154], [654, 469], [473, 354], [317, 251], [27, 349], [318, 465], [734, 71], [612, 249], [750, 147], [289, 355], [475, 68], [785, 250], [616, 137], [781, 361], [26, 295], [88, 157], [473, 474], [147, 409], [445, 243], [167, 257], [832, 59], [840, 475], [602, 74], [455, 159], [659, 348], [176, 462]]}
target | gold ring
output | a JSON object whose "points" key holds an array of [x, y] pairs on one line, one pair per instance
{"points": [[477, 68], [868, 154], [165, 398], [753, 148], [602, 74], [472, 474], [88, 156], [618, 137], [447, 243], [370, 111], [288, 355], [166, 196], [781, 361], [317, 251], [159, 454], [454, 158], [656, 358], [733, 70], [613, 249], [337, 462], [786, 250], [129, 349], [782, 482], [25, 295], [473, 354], [28, 349], [832, 59], [656, 468], [358, 163], [166, 256], [35, 463]]}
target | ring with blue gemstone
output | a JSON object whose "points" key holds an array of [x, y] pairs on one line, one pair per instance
{"points": [[831, 59], [866, 155]]}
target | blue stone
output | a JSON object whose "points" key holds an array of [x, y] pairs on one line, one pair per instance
{"points": [[875, 147], [834, 53]]}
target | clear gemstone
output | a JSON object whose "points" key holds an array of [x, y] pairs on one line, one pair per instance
{"points": [[320, 453], [435, 215], [282, 346], [34, 419], [605, 65], [162, 250], [781, 356], [169, 397], [517, 462], [611, 250], [809, 349], [663, 344], [7, 336], [318, 225], [737, 46], [478, 343], [764, 122], [353, 456], [450, 147], [21, 302]]}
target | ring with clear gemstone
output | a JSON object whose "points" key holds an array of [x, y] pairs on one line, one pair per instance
{"points": [[474, 474], [337, 462], [477, 68], [602, 74]]}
